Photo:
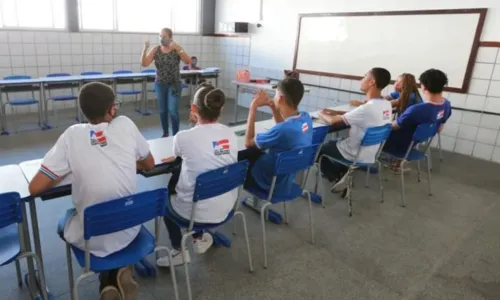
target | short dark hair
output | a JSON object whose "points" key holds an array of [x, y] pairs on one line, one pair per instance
{"points": [[382, 77], [434, 80], [96, 99], [168, 31], [293, 90], [194, 57], [209, 101]]}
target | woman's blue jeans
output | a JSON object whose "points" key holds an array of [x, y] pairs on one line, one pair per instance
{"points": [[168, 105]]}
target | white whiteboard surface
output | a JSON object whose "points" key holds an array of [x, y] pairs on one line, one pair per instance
{"points": [[339, 45]]}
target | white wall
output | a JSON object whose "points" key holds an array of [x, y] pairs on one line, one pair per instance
{"points": [[271, 50]]}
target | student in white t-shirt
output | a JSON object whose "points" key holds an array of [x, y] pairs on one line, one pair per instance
{"points": [[102, 157], [375, 112], [207, 146]]}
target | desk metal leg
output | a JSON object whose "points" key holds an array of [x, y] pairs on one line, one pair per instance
{"points": [[3, 116], [78, 111], [36, 230], [217, 81], [45, 108], [236, 121], [31, 282], [144, 106]]}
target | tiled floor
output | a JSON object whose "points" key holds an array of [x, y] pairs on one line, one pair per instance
{"points": [[440, 247]]}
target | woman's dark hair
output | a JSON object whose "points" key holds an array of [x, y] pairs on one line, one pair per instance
{"points": [[168, 31], [209, 101], [409, 88]]}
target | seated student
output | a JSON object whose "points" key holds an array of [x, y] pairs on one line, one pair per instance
{"points": [[436, 110], [376, 112], [207, 146], [102, 156], [193, 66], [293, 129], [405, 93]]}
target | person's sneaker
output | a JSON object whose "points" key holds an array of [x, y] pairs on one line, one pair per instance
{"points": [[177, 259], [127, 286], [341, 184], [202, 245], [110, 293], [164, 135]]}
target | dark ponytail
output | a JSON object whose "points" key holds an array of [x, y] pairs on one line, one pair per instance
{"points": [[209, 101]]}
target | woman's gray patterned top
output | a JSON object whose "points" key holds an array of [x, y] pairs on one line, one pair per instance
{"points": [[167, 66]]}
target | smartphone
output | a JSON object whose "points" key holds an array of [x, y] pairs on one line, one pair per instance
{"points": [[240, 132]]}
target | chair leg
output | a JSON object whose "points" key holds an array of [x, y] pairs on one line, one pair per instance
{"points": [[43, 286], [18, 273], [367, 176], [186, 269], [401, 165], [429, 176], [349, 189], [311, 221], [263, 225], [247, 241], [439, 146], [285, 212], [418, 171], [381, 180], [430, 158], [317, 179], [69, 263]]}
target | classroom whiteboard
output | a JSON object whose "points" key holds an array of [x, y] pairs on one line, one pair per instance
{"points": [[347, 45]]}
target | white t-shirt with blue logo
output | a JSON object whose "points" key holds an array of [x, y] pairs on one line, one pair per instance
{"points": [[204, 148], [102, 161]]}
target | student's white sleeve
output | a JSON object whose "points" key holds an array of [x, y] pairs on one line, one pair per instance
{"points": [[355, 116], [175, 145], [142, 146], [55, 164]]}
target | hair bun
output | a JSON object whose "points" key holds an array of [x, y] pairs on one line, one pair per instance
{"points": [[215, 99]]}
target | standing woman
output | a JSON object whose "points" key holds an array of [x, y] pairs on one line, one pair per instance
{"points": [[168, 88]]}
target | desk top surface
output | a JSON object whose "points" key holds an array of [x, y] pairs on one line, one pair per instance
{"points": [[13, 180]]}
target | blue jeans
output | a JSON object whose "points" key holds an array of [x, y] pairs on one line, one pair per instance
{"points": [[168, 105]]}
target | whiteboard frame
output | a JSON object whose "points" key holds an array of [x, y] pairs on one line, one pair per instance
{"points": [[472, 56]]}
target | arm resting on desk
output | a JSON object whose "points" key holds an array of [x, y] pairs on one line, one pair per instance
{"points": [[41, 183], [146, 164]]}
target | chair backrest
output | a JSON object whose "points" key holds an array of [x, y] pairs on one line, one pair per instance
{"points": [[295, 160], [16, 77], [91, 73], [149, 71], [123, 213], [122, 72], [10, 209], [58, 74], [424, 132], [376, 135], [319, 134], [219, 181]]}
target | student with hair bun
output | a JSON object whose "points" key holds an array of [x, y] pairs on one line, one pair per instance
{"points": [[206, 146]]}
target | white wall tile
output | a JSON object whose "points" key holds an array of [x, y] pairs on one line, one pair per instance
{"points": [[464, 147], [65, 49], [451, 129], [496, 155], [457, 100], [482, 71], [471, 118], [483, 151], [42, 60], [76, 38], [492, 105], [4, 37], [18, 71], [76, 49], [356, 86], [487, 136], [4, 50], [15, 37], [487, 54], [66, 60], [496, 72], [17, 61], [64, 38], [475, 102], [448, 143], [55, 60], [467, 132], [456, 116], [52, 37], [28, 37], [29, 49], [490, 121], [478, 86], [87, 48], [42, 49], [494, 90], [30, 61], [345, 84], [54, 49], [16, 49], [498, 57], [5, 61]]}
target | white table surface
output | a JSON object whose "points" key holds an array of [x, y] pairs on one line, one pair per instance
{"points": [[13, 180], [161, 148], [31, 167], [260, 86]]}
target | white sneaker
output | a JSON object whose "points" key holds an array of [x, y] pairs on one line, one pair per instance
{"points": [[177, 259], [341, 185], [201, 246]]}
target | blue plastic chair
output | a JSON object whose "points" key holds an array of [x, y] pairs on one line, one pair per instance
{"points": [[63, 97], [208, 185], [12, 239], [422, 136], [113, 216], [21, 101], [319, 136], [373, 136], [129, 92], [287, 163], [89, 73]]}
